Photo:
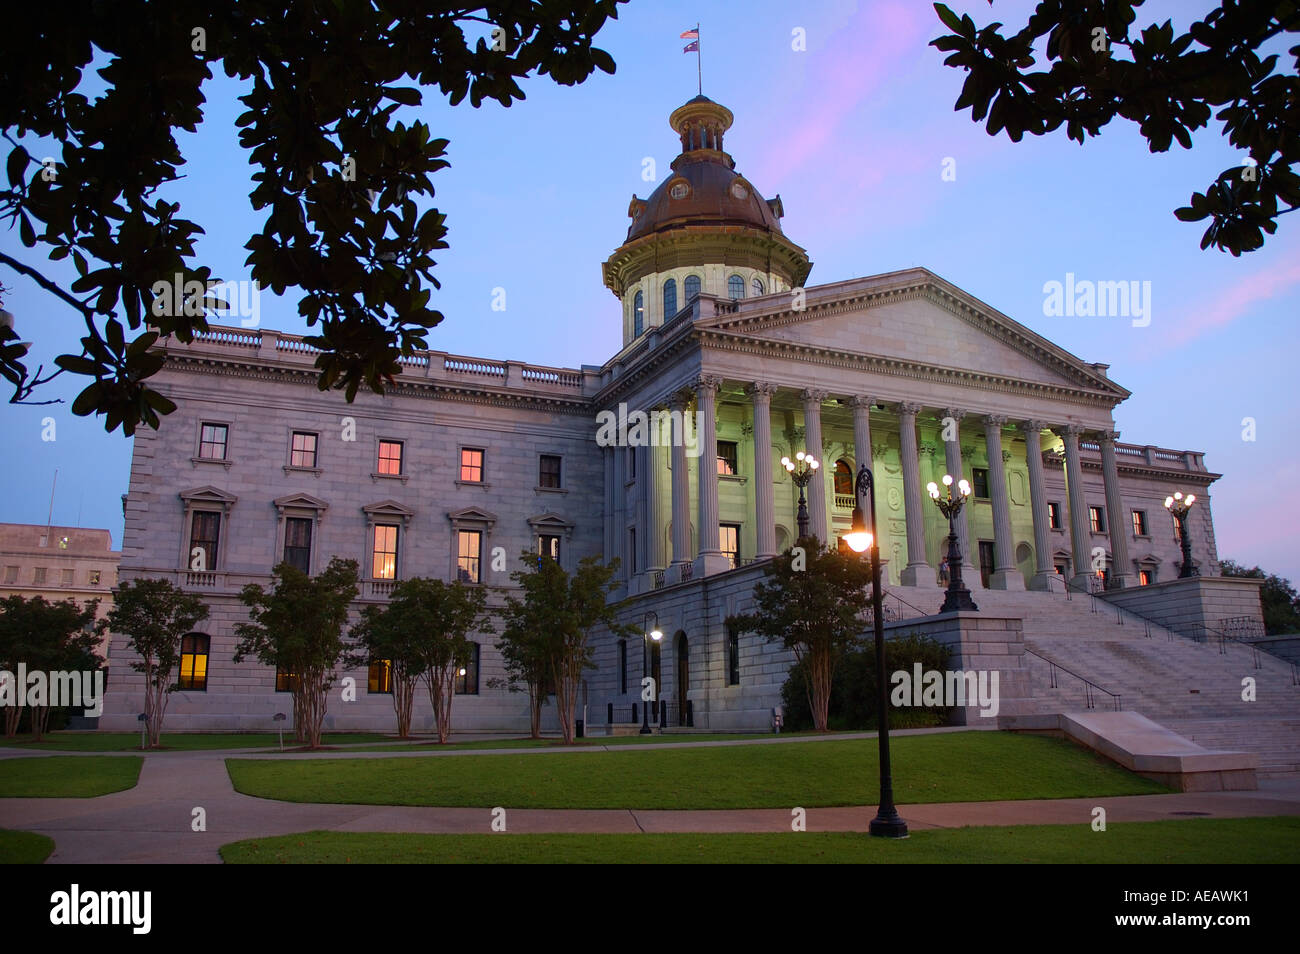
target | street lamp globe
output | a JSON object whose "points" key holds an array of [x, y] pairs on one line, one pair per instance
{"points": [[656, 635], [858, 538]]}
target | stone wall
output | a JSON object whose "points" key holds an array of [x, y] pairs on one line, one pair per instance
{"points": [[1192, 605]]}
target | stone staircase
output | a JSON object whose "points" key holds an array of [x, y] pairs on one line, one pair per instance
{"points": [[1192, 688]]}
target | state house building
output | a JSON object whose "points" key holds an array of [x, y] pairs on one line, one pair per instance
{"points": [[465, 455]]}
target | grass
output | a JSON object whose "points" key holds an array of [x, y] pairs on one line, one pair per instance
{"points": [[24, 847], [1199, 841], [959, 766], [179, 741], [428, 745], [68, 776]]}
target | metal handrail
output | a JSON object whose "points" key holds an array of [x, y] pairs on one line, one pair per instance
{"points": [[1090, 688]]}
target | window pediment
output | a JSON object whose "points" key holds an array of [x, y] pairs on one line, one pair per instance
{"points": [[208, 496], [388, 511], [550, 523], [300, 502], [472, 518]]}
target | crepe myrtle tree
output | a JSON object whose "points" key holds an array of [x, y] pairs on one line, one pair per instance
{"points": [[1103, 68], [343, 184], [297, 627], [383, 635], [48, 637], [525, 644], [813, 600], [155, 615]]}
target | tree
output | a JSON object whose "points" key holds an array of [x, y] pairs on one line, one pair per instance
{"points": [[336, 173], [155, 615], [1277, 598], [1170, 86], [813, 600], [48, 637], [527, 624], [298, 628], [383, 635]]}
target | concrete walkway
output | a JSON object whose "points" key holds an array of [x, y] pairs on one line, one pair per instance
{"points": [[151, 822]]}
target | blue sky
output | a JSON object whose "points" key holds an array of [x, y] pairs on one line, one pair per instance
{"points": [[852, 133]]}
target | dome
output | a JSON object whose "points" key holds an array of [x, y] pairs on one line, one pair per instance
{"points": [[703, 192]]}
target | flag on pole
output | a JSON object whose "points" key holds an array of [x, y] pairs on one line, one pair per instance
{"points": [[692, 47], [691, 34]]}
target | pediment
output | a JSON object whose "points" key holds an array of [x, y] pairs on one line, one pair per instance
{"points": [[914, 321], [472, 515], [388, 510], [300, 502], [208, 495], [552, 522]]}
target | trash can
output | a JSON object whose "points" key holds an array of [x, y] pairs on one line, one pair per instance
{"points": [[578, 728]]}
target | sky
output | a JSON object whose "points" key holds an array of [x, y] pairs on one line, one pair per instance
{"points": [[854, 133]]}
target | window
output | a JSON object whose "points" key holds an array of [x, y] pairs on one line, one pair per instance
{"points": [[631, 463], [843, 478], [1097, 519], [390, 458], [1063, 569], [285, 681], [548, 472], [1139, 523], [67, 577], [205, 536], [38, 575], [94, 577], [622, 666], [63, 543], [692, 286], [384, 563], [471, 465], [981, 481], [303, 453], [467, 677], [757, 285], [736, 286], [670, 298], [379, 678], [727, 458], [548, 544], [297, 543], [212, 441], [631, 550], [733, 656], [11, 574], [638, 315], [1054, 515], [194, 662], [469, 552], [729, 541], [1145, 578]]}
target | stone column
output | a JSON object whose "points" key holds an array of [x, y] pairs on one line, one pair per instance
{"points": [[711, 558], [760, 393], [654, 540], [1117, 521], [611, 537], [1080, 535], [812, 422], [1004, 576], [1043, 568], [918, 571], [953, 465], [620, 513], [861, 405], [681, 518]]}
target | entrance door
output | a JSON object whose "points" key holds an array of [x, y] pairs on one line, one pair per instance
{"points": [[683, 676], [986, 561]]}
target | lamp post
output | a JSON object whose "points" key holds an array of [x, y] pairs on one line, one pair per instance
{"points": [[801, 469], [957, 596], [887, 823], [648, 634], [1179, 506]]}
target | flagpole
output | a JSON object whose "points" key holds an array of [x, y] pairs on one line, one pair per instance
{"points": [[699, 70]]}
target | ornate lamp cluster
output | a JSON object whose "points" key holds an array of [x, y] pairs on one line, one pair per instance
{"points": [[957, 596], [1180, 506], [801, 471]]}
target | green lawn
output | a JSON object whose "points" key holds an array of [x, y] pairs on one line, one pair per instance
{"points": [[24, 847], [68, 776], [431, 744], [130, 741], [958, 766], [1194, 841]]}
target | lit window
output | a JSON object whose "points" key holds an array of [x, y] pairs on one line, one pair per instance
{"points": [[692, 286], [548, 544], [733, 656], [1097, 519], [467, 675], [1139, 523], [727, 458], [471, 465], [670, 298], [285, 681], [1054, 515], [390, 458], [1144, 577], [94, 577], [194, 662], [469, 552], [638, 315], [212, 442], [384, 564], [205, 535], [303, 453], [548, 472], [981, 482], [736, 286], [843, 478], [729, 541], [380, 676], [297, 543]]}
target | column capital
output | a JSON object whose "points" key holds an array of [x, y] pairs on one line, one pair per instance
{"points": [[994, 420], [1069, 430], [760, 391], [865, 401], [908, 408], [813, 396], [707, 382], [956, 413], [928, 448], [1032, 426], [680, 400], [1107, 437]]}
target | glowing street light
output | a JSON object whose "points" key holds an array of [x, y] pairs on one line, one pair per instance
{"points": [[957, 596], [801, 471], [1180, 506], [647, 634]]}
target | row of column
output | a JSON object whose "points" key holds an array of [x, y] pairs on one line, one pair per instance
{"points": [[918, 571]]}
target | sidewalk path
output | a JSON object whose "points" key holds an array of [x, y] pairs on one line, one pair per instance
{"points": [[151, 822]]}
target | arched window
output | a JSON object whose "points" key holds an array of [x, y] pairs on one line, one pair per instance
{"points": [[638, 315], [670, 298], [758, 286], [843, 477], [736, 286], [692, 286]]}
